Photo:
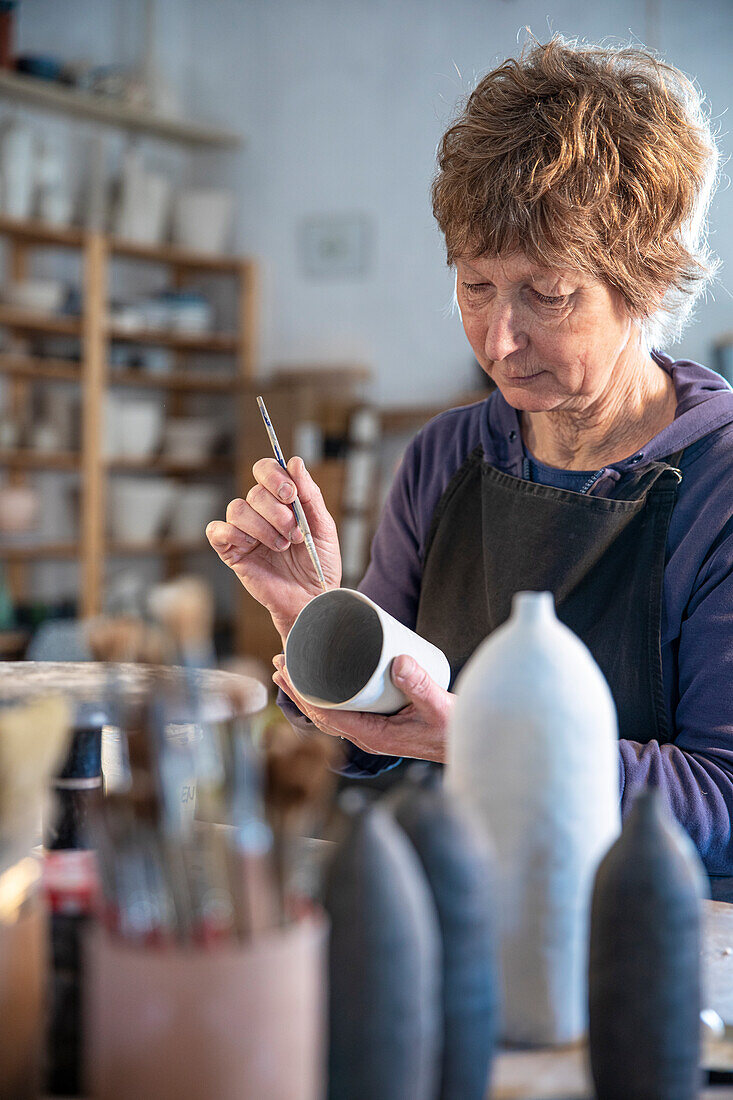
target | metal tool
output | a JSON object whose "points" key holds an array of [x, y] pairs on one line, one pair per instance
{"points": [[296, 505]]}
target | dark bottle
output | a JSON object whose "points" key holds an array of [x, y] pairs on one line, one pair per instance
{"points": [[644, 962], [70, 886], [457, 860], [384, 966]]}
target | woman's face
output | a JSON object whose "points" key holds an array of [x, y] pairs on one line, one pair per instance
{"points": [[549, 339]]}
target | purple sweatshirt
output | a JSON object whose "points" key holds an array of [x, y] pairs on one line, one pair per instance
{"points": [[694, 771]]}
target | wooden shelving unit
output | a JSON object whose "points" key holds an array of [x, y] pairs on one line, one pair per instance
{"points": [[92, 374], [68, 101]]}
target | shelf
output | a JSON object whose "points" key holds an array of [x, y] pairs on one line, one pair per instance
{"points": [[176, 380], [212, 467], [39, 460], [35, 232], [67, 370], [405, 418], [176, 257], [69, 101], [71, 236], [182, 341], [55, 370], [30, 321], [162, 546], [70, 550], [51, 550]]}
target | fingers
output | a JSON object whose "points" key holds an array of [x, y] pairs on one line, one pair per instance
{"points": [[277, 488], [241, 515], [271, 476], [430, 700], [319, 518], [231, 544], [356, 728]]}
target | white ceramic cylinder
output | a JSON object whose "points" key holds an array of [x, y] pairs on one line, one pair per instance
{"points": [[533, 751], [340, 650]]}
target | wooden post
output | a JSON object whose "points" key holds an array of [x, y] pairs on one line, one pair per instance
{"points": [[94, 346], [247, 322], [19, 392]]}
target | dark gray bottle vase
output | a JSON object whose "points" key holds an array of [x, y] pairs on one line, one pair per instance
{"points": [[384, 966], [644, 961], [457, 859]]}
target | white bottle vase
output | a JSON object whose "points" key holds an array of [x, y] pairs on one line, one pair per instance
{"points": [[533, 751]]}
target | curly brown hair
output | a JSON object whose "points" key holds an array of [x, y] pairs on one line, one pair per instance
{"points": [[595, 158]]}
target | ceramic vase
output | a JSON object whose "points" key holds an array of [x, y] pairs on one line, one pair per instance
{"points": [[644, 963], [533, 752], [384, 966], [456, 857], [340, 649]]}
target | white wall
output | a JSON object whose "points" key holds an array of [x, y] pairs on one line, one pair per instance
{"points": [[342, 103]]}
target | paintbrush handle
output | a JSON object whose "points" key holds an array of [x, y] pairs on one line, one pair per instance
{"points": [[297, 507]]}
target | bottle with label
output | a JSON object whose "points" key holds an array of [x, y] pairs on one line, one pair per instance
{"points": [[70, 881]]}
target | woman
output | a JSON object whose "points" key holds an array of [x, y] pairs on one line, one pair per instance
{"points": [[572, 193]]}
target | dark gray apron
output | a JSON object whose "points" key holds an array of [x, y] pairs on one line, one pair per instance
{"points": [[603, 559]]}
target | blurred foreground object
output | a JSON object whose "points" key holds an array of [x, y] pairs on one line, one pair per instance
{"points": [[456, 856], [645, 969], [32, 740], [384, 963]]}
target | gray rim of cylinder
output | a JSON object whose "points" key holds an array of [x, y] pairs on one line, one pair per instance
{"points": [[334, 647]]}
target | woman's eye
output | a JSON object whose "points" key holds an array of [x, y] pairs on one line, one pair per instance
{"points": [[473, 288], [548, 300]]}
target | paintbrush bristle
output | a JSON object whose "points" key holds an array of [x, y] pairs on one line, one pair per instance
{"points": [[185, 608]]}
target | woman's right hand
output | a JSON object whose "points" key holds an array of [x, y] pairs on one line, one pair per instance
{"points": [[261, 542]]}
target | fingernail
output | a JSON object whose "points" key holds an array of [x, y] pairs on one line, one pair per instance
{"points": [[286, 491], [281, 543], [296, 535], [403, 674]]}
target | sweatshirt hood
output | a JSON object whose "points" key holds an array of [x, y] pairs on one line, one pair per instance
{"points": [[704, 404]]}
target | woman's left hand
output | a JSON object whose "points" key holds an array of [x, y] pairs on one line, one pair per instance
{"points": [[418, 731]]}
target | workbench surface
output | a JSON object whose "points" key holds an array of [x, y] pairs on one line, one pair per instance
{"points": [[562, 1074]]}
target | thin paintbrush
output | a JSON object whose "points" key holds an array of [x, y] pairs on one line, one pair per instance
{"points": [[296, 505]]}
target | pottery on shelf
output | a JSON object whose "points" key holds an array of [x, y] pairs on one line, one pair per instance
{"points": [[533, 752], [17, 167], [19, 507], [194, 507], [202, 218], [139, 508], [340, 649], [457, 859], [190, 440], [644, 962], [384, 966]]}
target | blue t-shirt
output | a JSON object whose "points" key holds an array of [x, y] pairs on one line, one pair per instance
{"points": [[578, 481]]}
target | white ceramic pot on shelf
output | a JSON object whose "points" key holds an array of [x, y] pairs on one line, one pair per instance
{"points": [[193, 508], [39, 295], [139, 508], [17, 163], [133, 426], [140, 426], [533, 752], [190, 440], [340, 650], [202, 219]]}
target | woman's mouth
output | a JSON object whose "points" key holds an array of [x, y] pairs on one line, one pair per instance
{"points": [[524, 377]]}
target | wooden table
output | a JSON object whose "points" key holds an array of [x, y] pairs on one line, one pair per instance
{"points": [[563, 1074]]}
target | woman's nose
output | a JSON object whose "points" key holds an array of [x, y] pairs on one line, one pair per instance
{"points": [[503, 332]]}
